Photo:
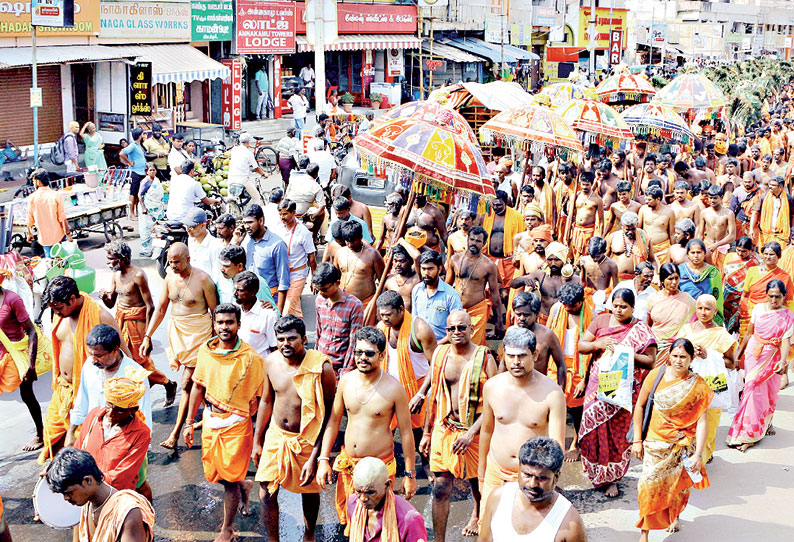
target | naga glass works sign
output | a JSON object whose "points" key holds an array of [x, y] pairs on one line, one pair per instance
{"points": [[141, 89], [211, 20], [15, 19], [265, 27], [145, 20]]}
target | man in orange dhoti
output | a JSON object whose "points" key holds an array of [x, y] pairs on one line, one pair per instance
{"points": [[452, 426], [775, 221], [502, 225], [293, 376], [107, 514], [568, 319], [229, 377], [71, 309], [588, 217]]}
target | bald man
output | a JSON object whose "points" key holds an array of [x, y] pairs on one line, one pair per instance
{"points": [[377, 513], [193, 297]]}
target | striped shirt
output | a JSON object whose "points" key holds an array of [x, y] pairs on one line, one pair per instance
{"points": [[336, 325]]}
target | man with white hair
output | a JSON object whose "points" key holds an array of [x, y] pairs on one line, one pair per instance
{"points": [[241, 163], [323, 158], [683, 233], [629, 246], [376, 512], [70, 150]]}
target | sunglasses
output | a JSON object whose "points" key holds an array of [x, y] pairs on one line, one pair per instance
{"points": [[366, 353], [451, 329]]}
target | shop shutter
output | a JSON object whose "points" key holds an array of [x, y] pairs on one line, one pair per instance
{"points": [[16, 122]]}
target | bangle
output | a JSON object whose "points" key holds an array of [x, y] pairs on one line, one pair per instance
{"points": [[427, 434], [323, 459], [481, 479], [697, 454], [637, 442]]}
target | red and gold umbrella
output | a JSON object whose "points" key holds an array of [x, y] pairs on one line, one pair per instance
{"points": [[597, 122], [625, 87], [434, 113]]}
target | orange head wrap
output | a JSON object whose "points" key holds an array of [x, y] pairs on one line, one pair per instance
{"points": [[542, 232], [126, 391]]}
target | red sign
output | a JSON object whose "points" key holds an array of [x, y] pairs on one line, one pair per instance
{"points": [[367, 18], [232, 96], [433, 65], [265, 27], [615, 47]]}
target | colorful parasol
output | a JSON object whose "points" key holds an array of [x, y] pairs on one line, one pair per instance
{"points": [[625, 87], [598, 122], [657, 120], [412, 151], [533, 127], [562, 93], [434, 113], [691, 92]]}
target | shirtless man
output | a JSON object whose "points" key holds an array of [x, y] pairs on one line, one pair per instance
{"points": [[470, 273], [457, 240], [293, 375], [691, 176], [650, 172], [658, 221], [637, 157], [700, 165], [684, 232], [360, 264], [620, 166], [779, 163], [763, 173], [683, 208], [629, 246], [606, 183], [130, 287], [588, 216], [404, 277], [526, 308], [193, 296], [564, 191], [429, 218], [517, 405], [599, 273], [371, 398], [502, 225], [357, 208], [546, 283], [336, 244], [74, 315], [623, 204], [522, 242], [717, 228], [452, 427], [394, 204], [532, 261], [730, 181]]}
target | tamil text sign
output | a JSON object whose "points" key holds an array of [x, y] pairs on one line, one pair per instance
{"points": [[141, 89], [265, 27], [53, 13], [15, 20], [232, 95], [145, 20], [601, 26], [366, 18], [211, 20]]}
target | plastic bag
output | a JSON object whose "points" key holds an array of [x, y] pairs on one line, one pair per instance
{"points": [[735, 387], [19, 286], [616, 377], [713, 371]]}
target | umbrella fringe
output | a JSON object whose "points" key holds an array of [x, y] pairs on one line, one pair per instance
{"points": [[514, 143]]}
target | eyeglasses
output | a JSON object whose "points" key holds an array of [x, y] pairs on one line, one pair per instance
{"points": [[451, 329], [366, 353]]}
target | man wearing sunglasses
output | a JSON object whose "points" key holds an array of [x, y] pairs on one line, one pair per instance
{"points": [[454, 416], [518, 405], [371, 397]]}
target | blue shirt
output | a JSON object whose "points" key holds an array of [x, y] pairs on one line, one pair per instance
{"points": [[268, 258], [367, 235], [135, 154], [226, 292], [435, 309], [261, 78]]}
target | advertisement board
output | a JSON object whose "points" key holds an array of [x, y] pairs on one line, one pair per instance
{"points": [[145, 20], [600, 28], [141, 88], [15, 20], [54, 13], [265, 27], [615, 47], [232, 95], [211, 20]]}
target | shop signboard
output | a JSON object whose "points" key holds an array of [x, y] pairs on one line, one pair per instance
{"points": [[395, 64], [659, 33], [495, 28], [141, 88], [145, 20], [734, 37], [544, 16], [53, 13], [366, 18], [598, 32], [15, 20], [265, 27], [232, 95], [615, 47], [211, 20]]}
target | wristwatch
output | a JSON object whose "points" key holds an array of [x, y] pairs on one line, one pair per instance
{"points": [[411, 474]]}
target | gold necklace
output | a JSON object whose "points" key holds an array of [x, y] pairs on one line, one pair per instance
{"points": [[187, 284], [373, 389], [95, 509]]}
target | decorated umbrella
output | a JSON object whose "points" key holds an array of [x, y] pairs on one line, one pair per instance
{"points": [[691, 93], [533, 127], [597, 122], [433, 113], [562, 93], [625, 87], [656, 121]]}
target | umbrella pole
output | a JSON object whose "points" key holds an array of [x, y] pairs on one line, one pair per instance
{"points": [[525, 173], [572, 211], [369, 310]]}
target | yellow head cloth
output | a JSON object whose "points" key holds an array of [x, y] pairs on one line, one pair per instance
{"points": [[416, 236], [126, 391], [534, 209]]}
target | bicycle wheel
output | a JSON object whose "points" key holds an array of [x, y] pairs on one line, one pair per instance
{"points": [[266, 158], [234, 210]]}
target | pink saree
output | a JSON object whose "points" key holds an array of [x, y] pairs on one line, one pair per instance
{"points": [[762, 382]]}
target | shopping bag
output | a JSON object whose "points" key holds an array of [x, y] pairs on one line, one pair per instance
{"points": [[616, 377], [712, 370]]}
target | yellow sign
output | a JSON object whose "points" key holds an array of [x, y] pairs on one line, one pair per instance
{"points": [[609, 382], [601, 26], [15, 23]]}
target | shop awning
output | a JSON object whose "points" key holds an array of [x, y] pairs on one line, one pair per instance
{"points": [[23, 56], [177, 63], [492, 51], [450, 53], [363, 42]]}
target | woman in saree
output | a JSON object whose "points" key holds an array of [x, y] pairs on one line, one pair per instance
{"points": [[699, 277], [668, 310], [676, 437], [605, 452], [735, 268], [757, 281], [94, 147], [766, 348], [152, 207]]}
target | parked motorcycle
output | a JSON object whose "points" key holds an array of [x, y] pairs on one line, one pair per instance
{"points": [[165, 234]]}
